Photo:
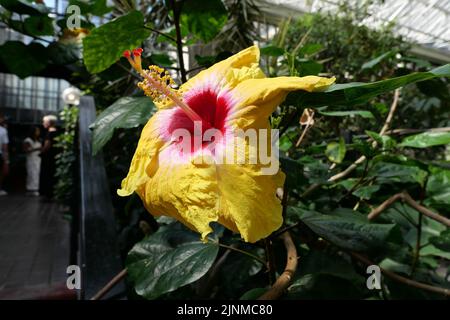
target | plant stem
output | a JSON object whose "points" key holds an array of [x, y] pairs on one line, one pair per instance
{"points": [[110, 285], [270, 260], [176, 20], [161, 33], [243, 252], [404, 196], [284, 280]]}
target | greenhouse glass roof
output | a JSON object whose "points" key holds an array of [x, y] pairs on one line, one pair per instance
{"points": [[425, 22]]}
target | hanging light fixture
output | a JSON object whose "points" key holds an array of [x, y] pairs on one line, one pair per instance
{"points": [[71, 96]]}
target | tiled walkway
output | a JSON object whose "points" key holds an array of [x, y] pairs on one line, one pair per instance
{"points": [[34, 249]]}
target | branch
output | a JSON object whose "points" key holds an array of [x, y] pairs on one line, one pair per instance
{"points": [[161, 33], [410, 131], [401, 279], [233, 248], [176, 20], [285, 278], [404, 196], [110, 285], [383, 130], [390, 116]]}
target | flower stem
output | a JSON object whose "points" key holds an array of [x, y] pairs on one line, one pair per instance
{"points": [[243, 252]]}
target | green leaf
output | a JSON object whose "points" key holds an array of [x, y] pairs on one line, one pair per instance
{"points": [[310, 49], [358, 92], [442, 241], [253, 294], [397, 173], [426, 139], [95, 7], [23, 60], [294, 172], [38, 26], [438, 188], [24, 7], [164, 261], [320, 262], [272, 51], [161, 59], [106, 44], [431, 250], [370, 64], [335, 152], [127, 112], [308, 67], [366, 191], [64, 53], [204, 19], [385, 141], [352, 113], [349, 232]]}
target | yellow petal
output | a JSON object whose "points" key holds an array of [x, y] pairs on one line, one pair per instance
{"points": [[147, 150], [184, 191], [248, 202], [224, 74], [257, 98]]}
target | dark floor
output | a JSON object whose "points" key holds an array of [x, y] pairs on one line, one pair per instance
{"points": [[34, 248]]}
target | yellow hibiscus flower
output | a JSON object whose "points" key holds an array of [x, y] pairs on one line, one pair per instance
{"points": [[189, 181]]}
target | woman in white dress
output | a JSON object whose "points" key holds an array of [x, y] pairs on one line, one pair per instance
{"points": [[32, 147]]}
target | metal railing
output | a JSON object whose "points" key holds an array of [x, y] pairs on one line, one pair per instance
{"points": [[98, 251]]}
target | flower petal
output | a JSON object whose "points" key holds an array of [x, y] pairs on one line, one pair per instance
{"points": [[224, 74], [256, 99], [147, 150], [184, 191], [248, 202]]}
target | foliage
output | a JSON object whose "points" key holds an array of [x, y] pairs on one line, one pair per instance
{"points": [[364, 146], [65, 188]]}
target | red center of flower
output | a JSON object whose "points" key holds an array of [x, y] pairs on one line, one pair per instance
{"points": [[212, 109]]}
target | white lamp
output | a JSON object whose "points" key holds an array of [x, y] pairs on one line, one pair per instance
{"points": [[71, 96]]}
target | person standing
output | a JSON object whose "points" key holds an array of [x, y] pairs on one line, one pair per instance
{"points": [[32, 147], [4, 155], [48, 157]]}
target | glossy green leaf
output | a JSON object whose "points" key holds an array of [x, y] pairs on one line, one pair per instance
{"points": [[366, 191], [204, 19], [310, 49], [384, 141], [64, 53], [358, 92], [362, 113], [38, 26], [442, 241], [372, 63], [161, 59], [24, 7], [349, 232], [127, 112], [426, 139], [272, 51], [167, 260], [253, 294], [23, 60], [438, 187], [95, 7], [308, 67], [106, 44], [335, 151], [397, 173]]}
